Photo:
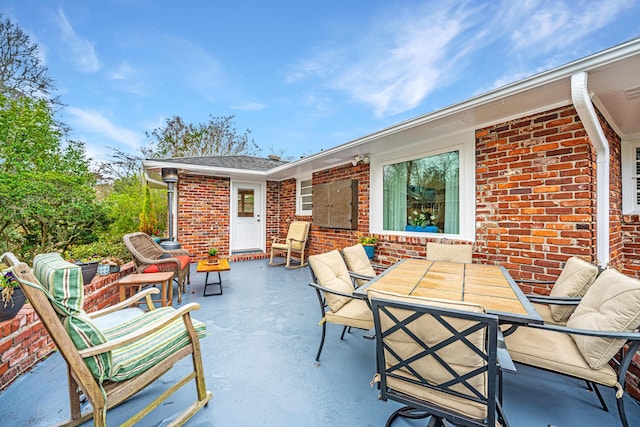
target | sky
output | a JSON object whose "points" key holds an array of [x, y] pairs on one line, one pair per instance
{"points": [[302, 76]]}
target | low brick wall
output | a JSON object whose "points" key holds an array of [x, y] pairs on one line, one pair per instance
{"points": [[24, 341]]}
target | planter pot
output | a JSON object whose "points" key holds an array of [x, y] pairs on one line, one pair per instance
{"points": [[89, 270], [422, 229], [370, 250], [13, 307], [103, 270], [212, 259]]}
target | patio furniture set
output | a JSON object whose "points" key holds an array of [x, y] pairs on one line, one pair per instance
{"points": [[446, 328]]}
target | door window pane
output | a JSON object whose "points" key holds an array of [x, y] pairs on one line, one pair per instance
{"points": [[422, 195], [245, 203]]}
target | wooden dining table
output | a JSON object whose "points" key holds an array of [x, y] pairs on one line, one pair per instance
{"points": [[488, 285]]}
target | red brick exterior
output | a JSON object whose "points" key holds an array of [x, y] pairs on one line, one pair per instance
{"points": [[24, 341], [203, 219], [535, 208], [535, 192]]}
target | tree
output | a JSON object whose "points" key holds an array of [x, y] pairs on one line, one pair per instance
{"points": [[46, 190], [21, 70], [216, 137], [148, 221]]}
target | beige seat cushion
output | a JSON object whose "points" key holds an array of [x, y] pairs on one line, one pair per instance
{"points": [[357, 261], [449, 252], [355, 313], [298, 230], [457, 355], [331, 272], [574, 280], [544, 310], [612, 303], [555, 351]]}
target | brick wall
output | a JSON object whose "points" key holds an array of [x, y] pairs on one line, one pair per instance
{"points": [[535, 192], [203, 203], [24, 341]]}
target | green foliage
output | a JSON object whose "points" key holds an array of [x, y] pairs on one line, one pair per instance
{"points": [[97, 251], [213, 251], [148, 221], [46, 190], [124, 202], [368, 240], [216, 137]]}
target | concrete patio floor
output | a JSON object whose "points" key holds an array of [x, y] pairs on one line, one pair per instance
{"points": [[259, 362]]}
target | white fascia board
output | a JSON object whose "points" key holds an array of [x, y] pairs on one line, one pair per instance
{"points": [[204, 170]]}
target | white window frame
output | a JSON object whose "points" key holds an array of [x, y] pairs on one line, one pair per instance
{"points": [[299, 210], [630, 205], [464, 143]]}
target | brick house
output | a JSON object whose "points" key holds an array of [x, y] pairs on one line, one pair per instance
{"points": [[530, 174]]}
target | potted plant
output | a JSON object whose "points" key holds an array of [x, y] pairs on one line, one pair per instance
{"points": [[89, 256], [12, 296], [369, 243], [212, 256]]}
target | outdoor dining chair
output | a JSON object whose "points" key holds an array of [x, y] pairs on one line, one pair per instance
{"points": [[449, 252], [574, 280], [603, 325], [334, 289], [292, 247], [437, 357], [110, 364], [358, 264], [149, 257]]}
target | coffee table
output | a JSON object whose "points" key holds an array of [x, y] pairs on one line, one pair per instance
{"points": [[205, 267], [138, 280]]}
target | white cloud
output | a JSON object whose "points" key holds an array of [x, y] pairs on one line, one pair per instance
{"points": [[80, 49], [198, 68], [399, 60], [249, 106], [87, 121], [128, 79], [553, 24]]}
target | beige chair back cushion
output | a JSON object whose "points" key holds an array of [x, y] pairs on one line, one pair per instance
{"points": [[331, 272], [298, 230], [449, 252], [358, 262], [612, 303], [431, 332], [574, 280]]}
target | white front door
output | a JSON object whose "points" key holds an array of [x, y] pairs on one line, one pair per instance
{"points": [[247, 225]]}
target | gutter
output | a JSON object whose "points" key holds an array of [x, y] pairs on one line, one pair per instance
{"points": [[586, 112]]}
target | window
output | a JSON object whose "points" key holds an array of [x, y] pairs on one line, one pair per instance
{"points": [[245, 203], [304, 202], [422, 195], [631, 177]]}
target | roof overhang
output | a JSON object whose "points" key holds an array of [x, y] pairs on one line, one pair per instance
{"points": [[153, 170]]}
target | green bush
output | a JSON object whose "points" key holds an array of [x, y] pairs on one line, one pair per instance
{"points": [[97, 251]]}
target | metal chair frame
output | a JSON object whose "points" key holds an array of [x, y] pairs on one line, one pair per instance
{"points": [[627, 352], [323, 306], [418, 408]]}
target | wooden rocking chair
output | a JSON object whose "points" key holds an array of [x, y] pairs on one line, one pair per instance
{"points": [[109, 365]]}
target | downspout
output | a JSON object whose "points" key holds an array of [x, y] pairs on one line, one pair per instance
{"points": [[587, 113]]}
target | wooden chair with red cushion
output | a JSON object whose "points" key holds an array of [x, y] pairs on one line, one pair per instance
{"points": [[150, 257]]}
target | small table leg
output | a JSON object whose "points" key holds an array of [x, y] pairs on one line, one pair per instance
{"points": [[206, 283]]}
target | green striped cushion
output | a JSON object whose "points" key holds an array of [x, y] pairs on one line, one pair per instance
{"points": [[84, 334], [63, 280], [137, 357]]}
